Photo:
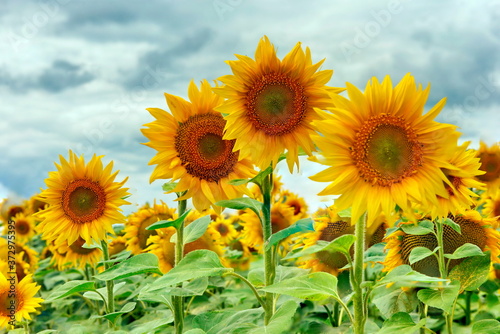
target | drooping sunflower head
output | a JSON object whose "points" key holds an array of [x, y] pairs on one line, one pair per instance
{"points": [[83, 201], [271, 103], [136, 233], [25, 227], [382, 150], [461, 176], [490, 162], [474, 229], [24, 299], [191, 149], [8, 210], [36, 204]]}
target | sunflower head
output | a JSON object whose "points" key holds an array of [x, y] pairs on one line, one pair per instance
{"points": [[25, 227], [382, 150], [271, 103], [491, 200], [225, 228], [75, 255], [191, 149], [490, 162], [83, 201]]}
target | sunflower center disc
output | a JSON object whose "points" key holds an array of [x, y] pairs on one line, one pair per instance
{"points": [[22, 227], [386, 150], [222, 229], [83, 201], [77, 247], [276, 104], [202, 150]]}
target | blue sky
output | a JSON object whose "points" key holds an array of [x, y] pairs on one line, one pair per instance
{"points": [[79, 74]]}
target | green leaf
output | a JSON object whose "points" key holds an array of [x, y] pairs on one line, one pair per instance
{"points": [[152, 322], [195, 287], [195, 331], [423, 227], [301, 225], [238, 182], [471, 272], [196, 229], [487, 326], [103, 292], [441, 298], [403, 322], [129, 307], [228, 321], [242, 204], [167, 223], [136, 265], [394, 299], [169, 186], [345, 213], [419, 253], [198, 263], [341, 244], [259, 178], [70, 288], [453, 225], [320, 245], [466, 250], [317, 286], [281, 321], [405, 276], [257, 278]]}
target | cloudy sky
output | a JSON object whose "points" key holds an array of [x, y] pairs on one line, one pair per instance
{"points": [[79, 74]]}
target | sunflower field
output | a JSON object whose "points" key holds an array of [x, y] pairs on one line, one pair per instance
{"points": [[409, 245]]}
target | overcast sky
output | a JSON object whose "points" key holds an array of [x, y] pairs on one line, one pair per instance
{"points": [[79, 74]]}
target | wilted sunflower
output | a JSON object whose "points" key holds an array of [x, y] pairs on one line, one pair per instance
{"points": [[271, 103], [25, 301], [25, 227], [461, 176], [490, 162], [281, 217], [191, 149], [382, 150], [136, 233], [75, 255], [475, 230], [83, 201]]}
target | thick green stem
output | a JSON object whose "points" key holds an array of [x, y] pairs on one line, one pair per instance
{"points": [[358, 275], [178, 301], [251, 286], [269, 265], [443, 270], [109, 284]]}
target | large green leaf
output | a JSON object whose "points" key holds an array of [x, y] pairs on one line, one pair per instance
{"points": [[405, 276], [423, 227], [257, 276], [302, 225], [196, 229], [318, 286], [228, 321], [167, 223], [466, 250], [487, 326], [242, 204], [103, 292], [401, 322], [471, 272], [70, 288], [394, 299], [136, 265], [195, 287], [419, 253], [341, 244], [441, 298], [198, 263], [453, 225], [280, 321], [129, 307]]}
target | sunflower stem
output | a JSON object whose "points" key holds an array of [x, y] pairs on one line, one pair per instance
{"points": [[269, 263], [443, 270], [358, 274], [109, 284], [178, 301]]}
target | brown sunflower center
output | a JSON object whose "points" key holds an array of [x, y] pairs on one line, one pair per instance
{"points": [[84, 201], [77, 247], [10, 305], [276, 104], [22, 227], [202, 150], [386, 150], [279, 221], [496, 208], [335, 230], [222, 229], [490, 163], [13, 211], [143, 234]]}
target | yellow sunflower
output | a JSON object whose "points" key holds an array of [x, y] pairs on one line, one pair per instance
{"points": [[460, 179], [21, 304], [191, 149], [475, 230], [382, 150], [117, 245], [226, 230], [135, 228], [26, 257], [22, 267], [75, 255], [490, 162], [327, 228], [83, 201], [281, 217], [25, 227], [277, 186], [8, 210], [271, 103], [241, 261], [491, 200], [298, 203], [35, 204]]}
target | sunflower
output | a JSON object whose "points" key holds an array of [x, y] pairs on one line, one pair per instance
{"points": [[460, 179], [23, 303], [8, 210], [238, 255], [382, 150], [490, 162], [475, 230], [281, 217], [135, 229], [35, 204], [26, 257], [116, 245], [22, 267], [327, 228], [277, 188], [491, 200], [298, 203], [191, 149], [75, 255], [25, 227], [271, 103], [83, 201], [226, 230]]}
